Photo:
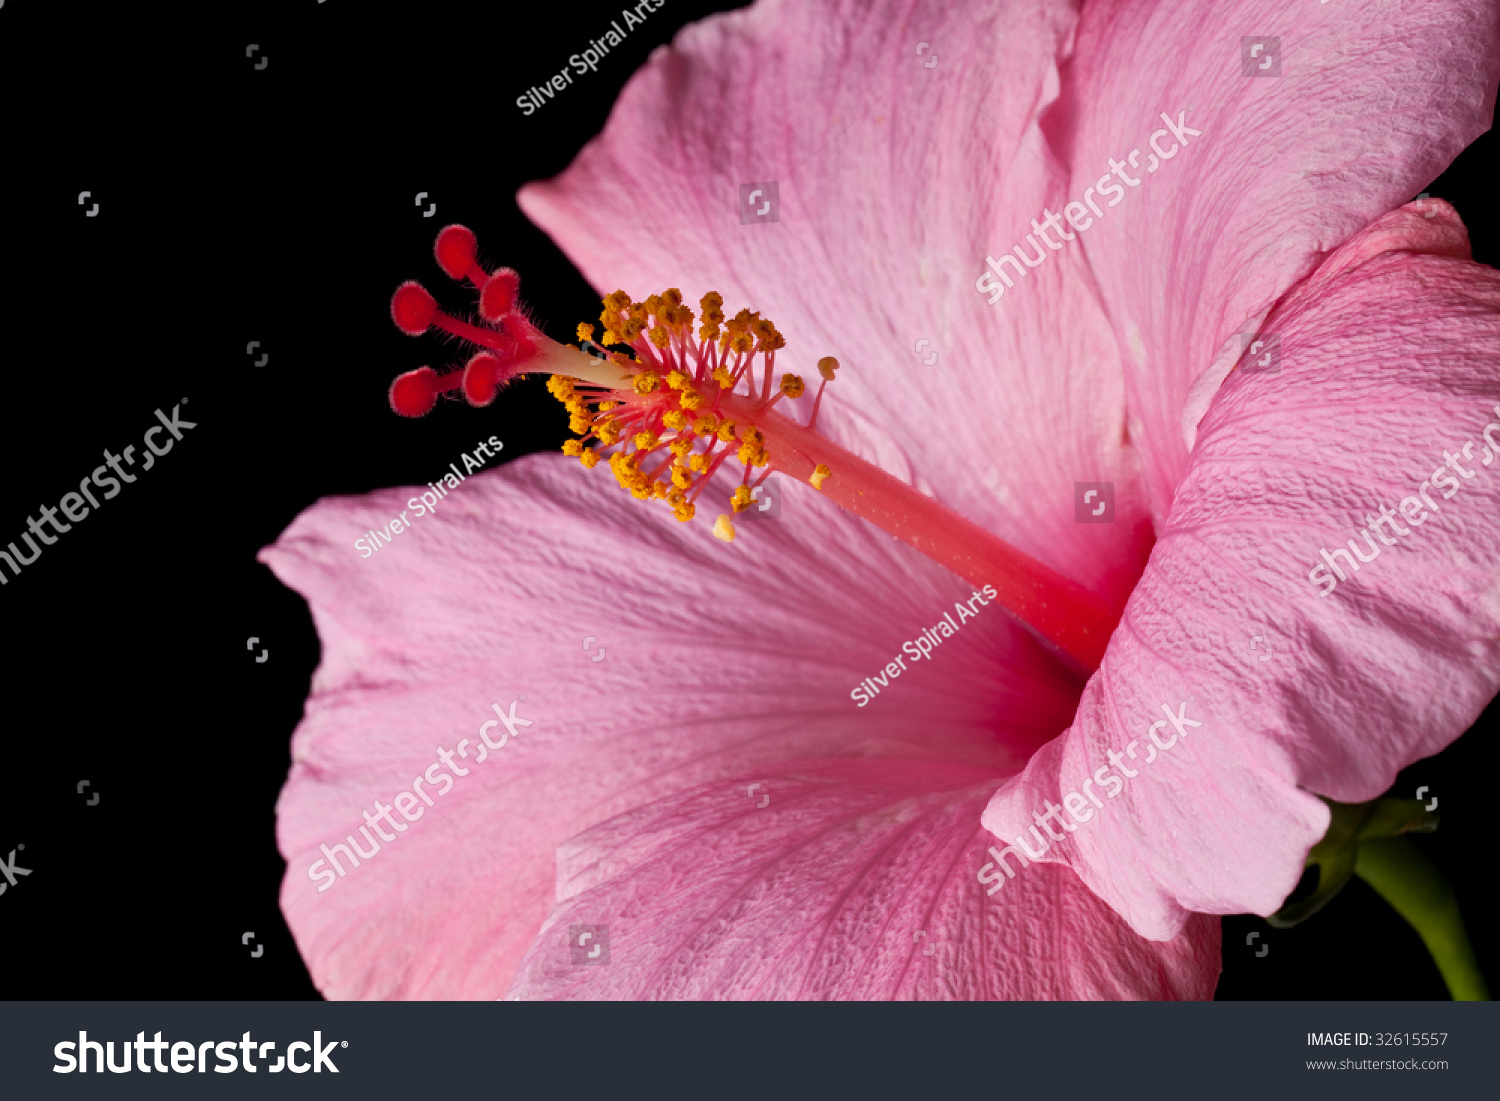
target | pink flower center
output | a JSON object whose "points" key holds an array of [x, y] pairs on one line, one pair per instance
{"points": [[686, 400]]}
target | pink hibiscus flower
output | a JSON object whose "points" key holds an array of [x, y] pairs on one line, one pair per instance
{"points": [[478, 808]]}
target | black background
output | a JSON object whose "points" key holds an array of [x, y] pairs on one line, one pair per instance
{"points": [[276, 205]]}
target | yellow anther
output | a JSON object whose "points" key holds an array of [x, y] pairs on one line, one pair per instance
{"points": [[667, 322], [768, 338], [684, 511], [625, 472], [740, 342], [615, 306], [736, 324], [751, 451]]}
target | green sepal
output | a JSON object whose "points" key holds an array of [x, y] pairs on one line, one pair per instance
{"points": [[1366, 839], [1335, 856]]}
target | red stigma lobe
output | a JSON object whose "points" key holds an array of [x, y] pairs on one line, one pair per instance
{"points": [[507, 338]]}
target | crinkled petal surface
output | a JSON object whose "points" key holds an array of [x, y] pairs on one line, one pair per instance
{"points": [[718, 661], [898, 175], [908, 142], [1390, 364], [897, 169], [1373, 100], [893, 180], [837, 879]]}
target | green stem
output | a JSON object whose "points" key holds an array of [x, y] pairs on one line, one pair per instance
{"points": [[1418, 892]]}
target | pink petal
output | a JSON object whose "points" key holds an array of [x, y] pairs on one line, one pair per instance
{"points": [[836, 879], [1388, 359], [719, 659], [1374, 100], [894, 179]]}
